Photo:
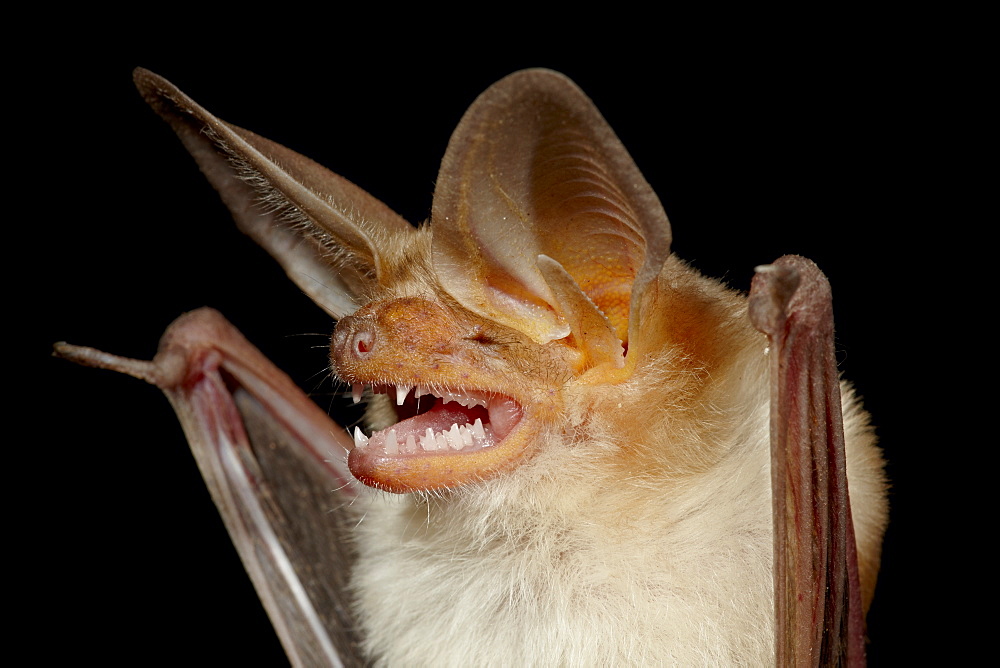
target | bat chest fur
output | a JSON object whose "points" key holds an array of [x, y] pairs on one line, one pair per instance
{"points": [[571, 582]]}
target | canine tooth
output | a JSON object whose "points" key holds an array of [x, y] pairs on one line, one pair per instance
{"points": [[356, 390], [401, 392], [411, 445], [477, 429], [391, 445], [360, 440]]}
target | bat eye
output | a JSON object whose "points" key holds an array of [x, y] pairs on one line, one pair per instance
{"points": [[479, 335]]}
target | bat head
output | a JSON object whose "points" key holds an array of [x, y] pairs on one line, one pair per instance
{"points": [[528, 278], [532, 276]]}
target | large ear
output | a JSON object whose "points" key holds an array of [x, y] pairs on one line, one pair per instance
{"points": [[318, 225], [534, 169]]}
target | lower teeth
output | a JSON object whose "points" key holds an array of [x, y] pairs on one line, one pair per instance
{"points": [[457, 438]]}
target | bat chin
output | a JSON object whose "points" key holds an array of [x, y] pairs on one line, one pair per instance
{"points": [[454, 437]]}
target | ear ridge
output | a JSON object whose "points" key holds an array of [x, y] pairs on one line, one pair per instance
{"points": [[534, 169], [278, 197]]}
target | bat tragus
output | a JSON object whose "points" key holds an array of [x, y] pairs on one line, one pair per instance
{"points": [[577, 449]]}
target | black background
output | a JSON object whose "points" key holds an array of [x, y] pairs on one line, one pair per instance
{"points": [[756, 147]]}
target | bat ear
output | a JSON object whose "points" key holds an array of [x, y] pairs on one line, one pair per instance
{"points": [[318, 225], [533, 170]]}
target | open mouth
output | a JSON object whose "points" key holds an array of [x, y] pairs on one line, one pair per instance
{"points": [[444, 421]]}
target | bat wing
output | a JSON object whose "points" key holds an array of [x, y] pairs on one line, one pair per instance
{"points": [[269, 455], [817, 599]]}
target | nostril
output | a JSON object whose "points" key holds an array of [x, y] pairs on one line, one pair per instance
{"points": [[354, 340], [362, 343]]}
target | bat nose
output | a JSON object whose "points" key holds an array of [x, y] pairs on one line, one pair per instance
{"points": [[353, 339], [362, 343]]}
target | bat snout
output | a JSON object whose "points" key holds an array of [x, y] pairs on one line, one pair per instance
{"points": [[389, 335]]}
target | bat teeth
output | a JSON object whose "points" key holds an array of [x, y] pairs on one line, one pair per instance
{"points": [[402, 390], [458, 437], [460, 398], [455, 438], [360, 440], [427, 441]]}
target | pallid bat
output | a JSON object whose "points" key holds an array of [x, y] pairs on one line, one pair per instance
{"points": [[581, 470]]}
